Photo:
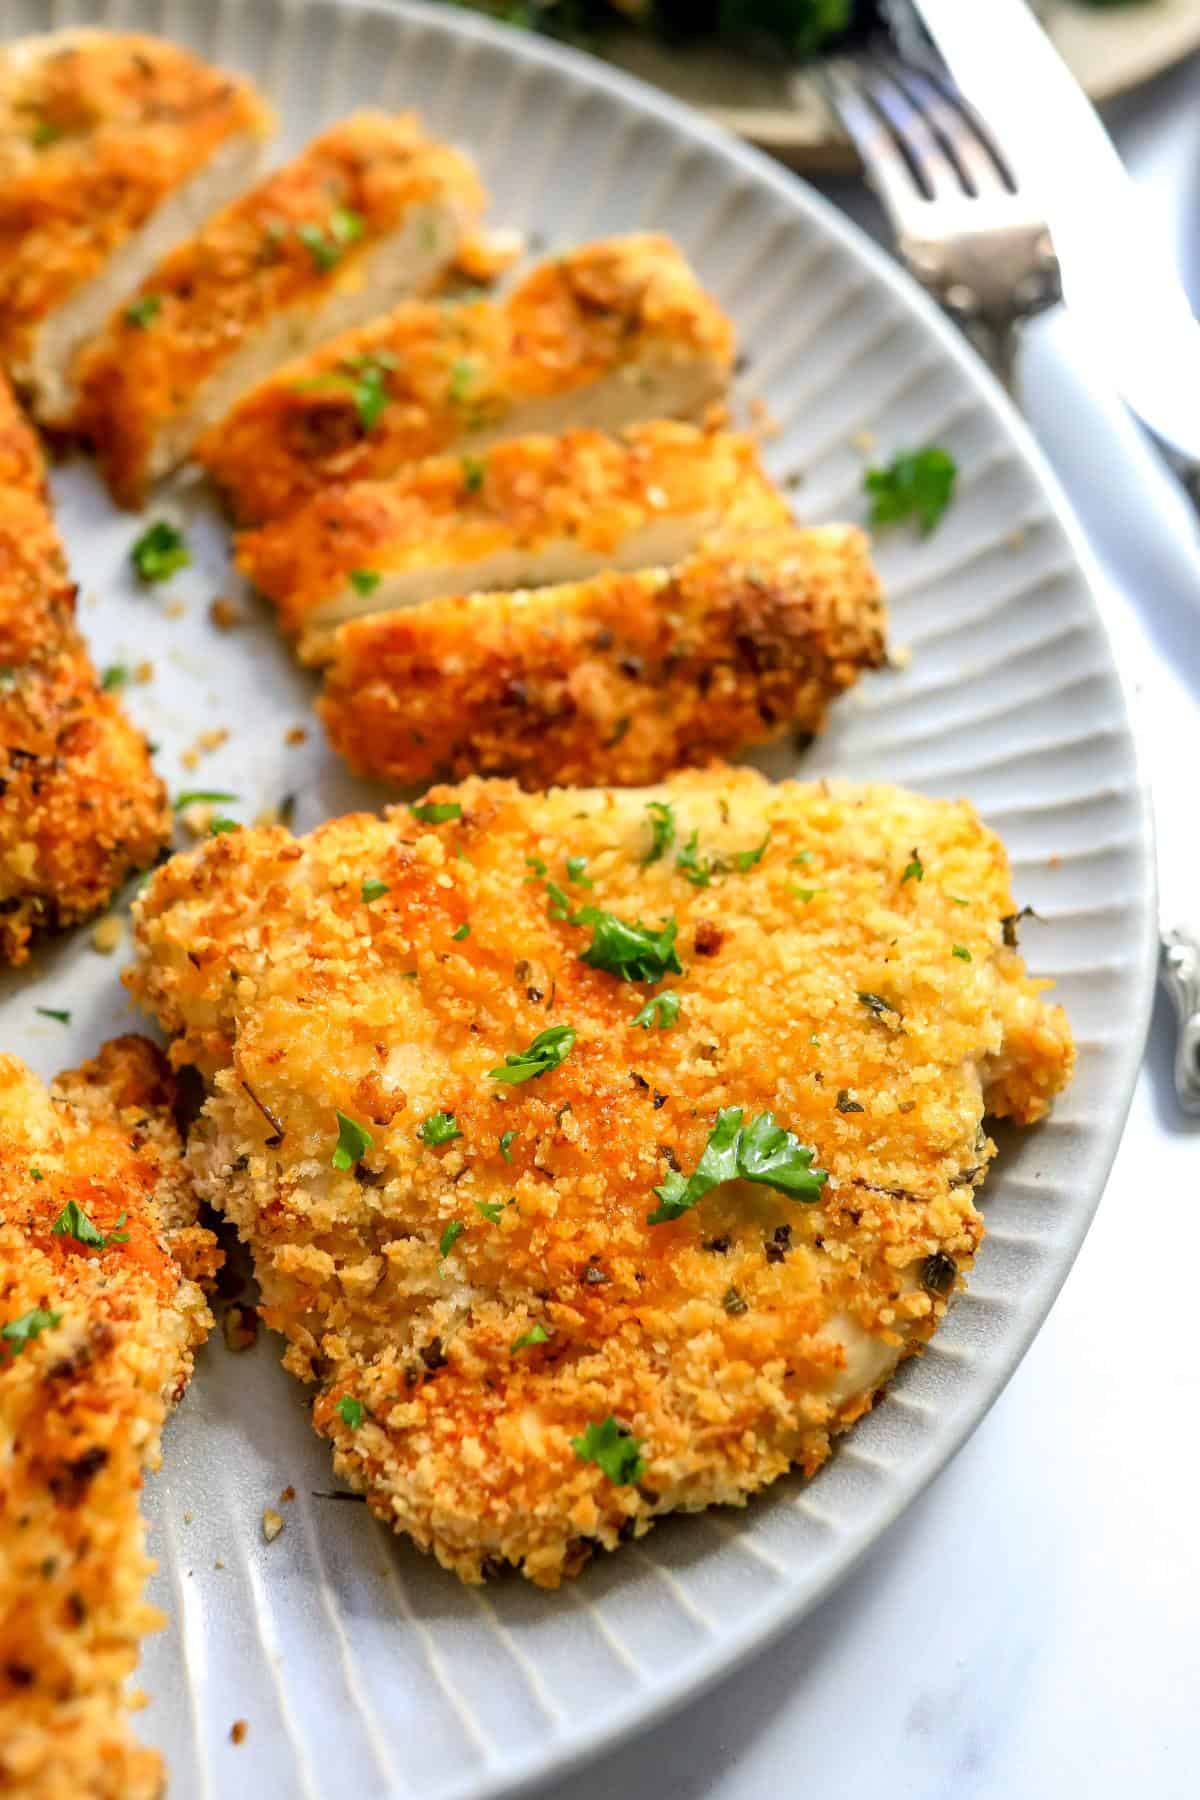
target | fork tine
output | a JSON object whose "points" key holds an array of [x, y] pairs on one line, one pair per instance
{"points": [[888, 172], [934, 169], [962, 136]]}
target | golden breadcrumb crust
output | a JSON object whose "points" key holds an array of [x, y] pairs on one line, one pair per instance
{"points": [[80, 804], [82, 1405], [584, 488], [820, 981], [256, 258], [96, 131], [459, 375], [621, 678]]}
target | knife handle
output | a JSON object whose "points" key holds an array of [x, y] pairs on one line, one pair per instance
{"points": [[1179, 967]]}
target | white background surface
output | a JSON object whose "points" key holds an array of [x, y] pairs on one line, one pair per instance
{"points": [[1032, 1626]]}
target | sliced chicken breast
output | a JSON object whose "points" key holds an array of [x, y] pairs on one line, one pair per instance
{"points": [[603, 337], [369, 213], [101, 1309], [618, 679], [80, 804], [532, 512], [113, 147]]}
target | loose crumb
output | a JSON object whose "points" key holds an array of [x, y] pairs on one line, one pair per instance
{"points": [[197, 818], [900, 656], [763, 422], [143, 672], [863, 441], [188, 1517], [272, 1524], [237, 1731], [224, 614], [295, 734], [218, 1564], [289, 1493], [107, 934]]}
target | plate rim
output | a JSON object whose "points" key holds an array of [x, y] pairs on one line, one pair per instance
{"points": [[639, 1713]]}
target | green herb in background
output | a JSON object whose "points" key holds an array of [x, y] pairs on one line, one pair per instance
{"points": [[917, 485]]}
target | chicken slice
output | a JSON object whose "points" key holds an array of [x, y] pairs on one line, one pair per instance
{"points": [[620, 678], [458, 1055], [113, 147], [534, 511], [605, 336], [368, 213], [100, 1311], [80, 804]]}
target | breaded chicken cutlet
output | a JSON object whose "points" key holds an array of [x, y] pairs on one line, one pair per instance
{"points": [[113, 147], [532, 512], [604, 336], [620, 678], [100, 1311], [369, 213], [80, 804], [601, 1153]]}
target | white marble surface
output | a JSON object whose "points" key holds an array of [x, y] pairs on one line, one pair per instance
{"points": [[1029, 1629]]}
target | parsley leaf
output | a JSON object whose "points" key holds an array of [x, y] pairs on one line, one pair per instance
{"points": [[54, 1012], [73, 1222], [491, 1209], [365, 581], [45, 132], [353, 1142], [506, 1143], [760, 1151], [373, 889], [746, 859], [915, 870], [662, 824], [200, 797], [473, 472], [368, 384], [450, 1237], [537, 1334], [617, 1453], [220, 826], [351, 1410], [630, 951], [697, 869], [19, 1332], [661, 1011], [439, 1128], [916, 484], [140, 312], [577, 872], [548, 1049], [537, 865], [961, 951], [115, 676], [326, 248], [803, 893], [464, 931], [159, 552], [560, 905], [461, 377], [436, 812]]}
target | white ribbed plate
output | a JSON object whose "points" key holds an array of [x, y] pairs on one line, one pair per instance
{"points": [[360, 1668]]}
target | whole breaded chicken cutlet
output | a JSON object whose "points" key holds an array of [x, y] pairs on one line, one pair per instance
{"points": [[601, 1152], [100, 1310]]}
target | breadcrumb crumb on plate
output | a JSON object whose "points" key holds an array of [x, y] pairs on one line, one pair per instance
{"points": [[463, 1259], [96, 1343]]}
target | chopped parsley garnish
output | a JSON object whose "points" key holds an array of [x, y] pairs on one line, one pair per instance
{"points": [[692, 866], [159, 552], [548, 1049], [617, 1453], [844, 1104], [801, 859], [735, 1303], [761, 1151], [365, 581], [201, 797], [662, 825], [35, 1174], [803, 893], [439, 1128], [351, 1410], [537, 865], [537, 1334], [436, 812], [577, 872], [560, 905], [876, 1004], [744, 860], [955, 901], [54, 1012], [962, 953], [450, 1237], [914, 870], [373, 889], [461, 377], [140, 312], [464, 931], [353, 1142], [326, 248], [491, 1209], [630, 951], [45, 132], [19, 1332], [506, 1144], [219, 827], [661, 1011], [115, 676], [73, 1222], [473, 472], [916, 484], [364, 378]]}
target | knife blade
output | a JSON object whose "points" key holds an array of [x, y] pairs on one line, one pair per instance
{"points": [[1127, 304]]}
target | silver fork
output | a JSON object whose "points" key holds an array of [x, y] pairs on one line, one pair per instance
{"points": [[962, 224]]}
